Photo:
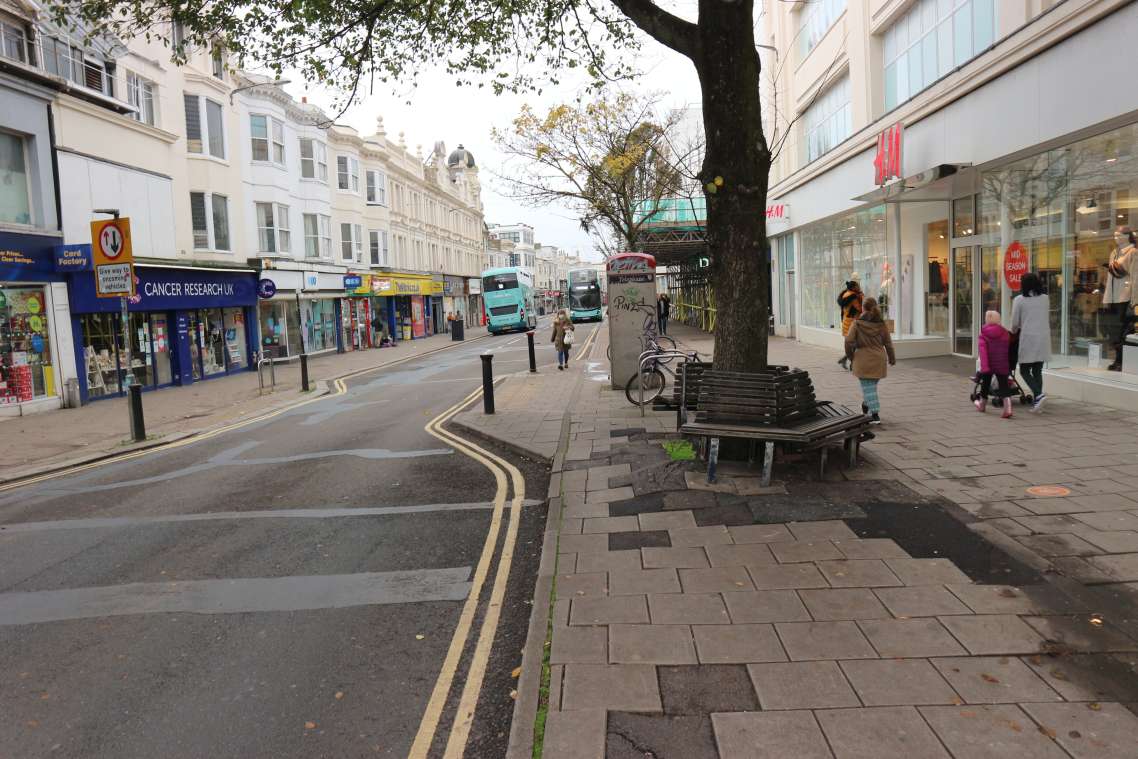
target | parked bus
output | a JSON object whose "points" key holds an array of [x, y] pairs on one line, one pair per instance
{"points": [[584, 295], [509, 297]]}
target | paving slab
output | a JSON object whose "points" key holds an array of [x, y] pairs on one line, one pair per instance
{"points": [[995, 599], [884, 732], [605, 561], [801, 685], [766, 606], [608, 610], [871, 548], [651, 644], [1076, 631], [827, 530], [990, 732], [805, 641], [787, 576], [579, 645], [609, 524], [632, 582], [994, 680], [769, 735], [828, 604], [666, 520], [921, 601], [634, 541], [1087, 677], [737, 644], [716, 580], [994, 634], [761, 533], [687, 609], [910, 638], [575, 735], [927, 572], [608, 495], [705, 688], [800, 551], [585, 584], [688, 537], [583, 544], [634, 736], [750, 554], [676, 558], [619, 687], [1122, 567], [898, 682], [865, 573], [1109, 731]]}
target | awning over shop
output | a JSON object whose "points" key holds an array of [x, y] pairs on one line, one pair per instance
{"points": [[932, 184]]}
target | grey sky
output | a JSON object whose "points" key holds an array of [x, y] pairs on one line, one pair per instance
{"points": [[438, 110]]}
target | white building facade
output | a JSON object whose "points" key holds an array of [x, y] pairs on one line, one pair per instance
{"points": [[934, 148]]}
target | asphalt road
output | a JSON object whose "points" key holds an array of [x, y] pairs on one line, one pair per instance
{"points": [[285, 589]]}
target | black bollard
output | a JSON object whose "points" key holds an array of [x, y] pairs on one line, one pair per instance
{"points": [[487, 383], [304, 372], [532, 357], [137, 423]]}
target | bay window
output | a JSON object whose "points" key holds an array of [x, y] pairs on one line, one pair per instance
{"points": [[313, 159]]}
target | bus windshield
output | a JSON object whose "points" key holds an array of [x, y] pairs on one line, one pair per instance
{"points": [[496, 282], [585, 297]]}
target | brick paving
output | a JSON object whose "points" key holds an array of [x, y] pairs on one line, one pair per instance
{"points": [[690, 618]]}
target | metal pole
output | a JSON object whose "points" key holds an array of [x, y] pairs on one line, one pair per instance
{"points": [[137, 423], [487, 383], [304, 372], [532, 358], [127, 372]]}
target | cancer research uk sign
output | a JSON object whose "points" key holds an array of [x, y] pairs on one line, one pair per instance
{"points": [[160, 288]]}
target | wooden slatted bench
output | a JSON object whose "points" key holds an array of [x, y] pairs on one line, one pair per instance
{"points": [[773, 407], [685, 390]]}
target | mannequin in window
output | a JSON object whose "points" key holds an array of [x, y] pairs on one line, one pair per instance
{"points": [[1116, 293]]}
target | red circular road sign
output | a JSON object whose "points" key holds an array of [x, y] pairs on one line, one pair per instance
{"points": [[1015, 265]]}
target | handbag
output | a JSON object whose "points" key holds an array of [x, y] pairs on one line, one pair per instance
{"points": [[567, 337]]}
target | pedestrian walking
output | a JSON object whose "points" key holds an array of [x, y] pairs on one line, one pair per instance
{"points": [[851, 301], [663, 311], [1031, 324], [562, 338], [995, 344], [869, 348]]}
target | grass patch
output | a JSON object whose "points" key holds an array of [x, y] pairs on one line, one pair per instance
{"points": [[679, 450]]}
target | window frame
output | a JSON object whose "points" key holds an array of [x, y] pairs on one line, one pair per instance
{"points": [[378, 247], [210, 217], [281, 231], [273, 145], [9, 26], [351, 173], [375, 187], [353, 243], [23, 140], [140, 92], [322, 239], [318, 160], [207, 136]]}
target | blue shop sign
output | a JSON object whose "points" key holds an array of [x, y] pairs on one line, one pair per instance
{"points": [[352, 281], [73, 257], [28, 258], [266, 288], [159, 289]]}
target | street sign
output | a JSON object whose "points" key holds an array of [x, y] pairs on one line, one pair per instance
{"points": [[266, 288], [113, 258]]}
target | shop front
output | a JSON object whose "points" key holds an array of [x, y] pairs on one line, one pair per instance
{"points": [[291, 325], [183, 325], [357, 312], [474, 302], [32, 292], [454, 297], [408, 300]]}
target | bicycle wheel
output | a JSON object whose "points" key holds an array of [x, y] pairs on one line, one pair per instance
{"points": [[608, 351], [654, 382], [665, 343]]}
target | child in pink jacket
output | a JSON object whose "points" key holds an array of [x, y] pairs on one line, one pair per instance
{"points": [[995, 361]]}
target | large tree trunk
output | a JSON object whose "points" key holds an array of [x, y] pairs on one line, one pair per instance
{"points": [[735, 152]]}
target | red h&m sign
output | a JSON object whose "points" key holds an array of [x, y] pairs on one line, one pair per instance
{"points": [[888, 158]]}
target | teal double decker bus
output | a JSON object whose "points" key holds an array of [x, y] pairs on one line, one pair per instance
{"points": [[584, 295], [508, 295]]}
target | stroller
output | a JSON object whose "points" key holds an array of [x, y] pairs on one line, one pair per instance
{"points": [[1014, 388]]}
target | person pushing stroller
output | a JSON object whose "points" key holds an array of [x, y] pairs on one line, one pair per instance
{"points": [[996, 360]]}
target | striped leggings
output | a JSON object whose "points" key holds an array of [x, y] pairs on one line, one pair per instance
{"points": [[869, 395]]}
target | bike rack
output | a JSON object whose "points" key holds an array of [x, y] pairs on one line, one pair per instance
{"points": [[261, 377], [647, 355]]}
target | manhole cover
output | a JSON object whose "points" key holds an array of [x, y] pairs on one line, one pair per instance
{"points": [[1048, 491]]}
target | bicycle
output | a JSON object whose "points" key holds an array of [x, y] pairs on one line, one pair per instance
{"points": [[653, 374], [652, 342]]}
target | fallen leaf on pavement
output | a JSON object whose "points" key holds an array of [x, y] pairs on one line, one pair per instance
{"points": [[1047, 731], [1074, 734], [1058, 674], [988, 678], [1094, 706], [1015, 726], [420, 637], [1008, 593], [339, 694], [309, 725], [517, 671], [514, 695]]}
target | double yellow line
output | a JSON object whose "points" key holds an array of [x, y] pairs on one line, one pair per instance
{"points": [[468, 702]]}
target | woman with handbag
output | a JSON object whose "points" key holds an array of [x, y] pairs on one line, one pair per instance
{"points": [[562, 338], [1117, 290]]}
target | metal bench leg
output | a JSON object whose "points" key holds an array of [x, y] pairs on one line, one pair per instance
{"points": [[768, 462], [822, 469], [712, 458], [852, 445]]}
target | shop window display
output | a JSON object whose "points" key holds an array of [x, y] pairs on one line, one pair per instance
{"points": [[236, 347], [211, 341], [836, 251], [26, 371], [160, 348], [100, 353], [1063, 206]]}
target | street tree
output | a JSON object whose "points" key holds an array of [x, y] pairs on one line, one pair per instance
{"points": [[516, 45], [611, 159]]}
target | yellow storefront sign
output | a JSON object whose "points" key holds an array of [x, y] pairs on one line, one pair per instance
{"points": [[381, 285], [365, 286]]}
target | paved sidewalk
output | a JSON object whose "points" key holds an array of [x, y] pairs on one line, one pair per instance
{"points": [[823, 619], [49, 440]]}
